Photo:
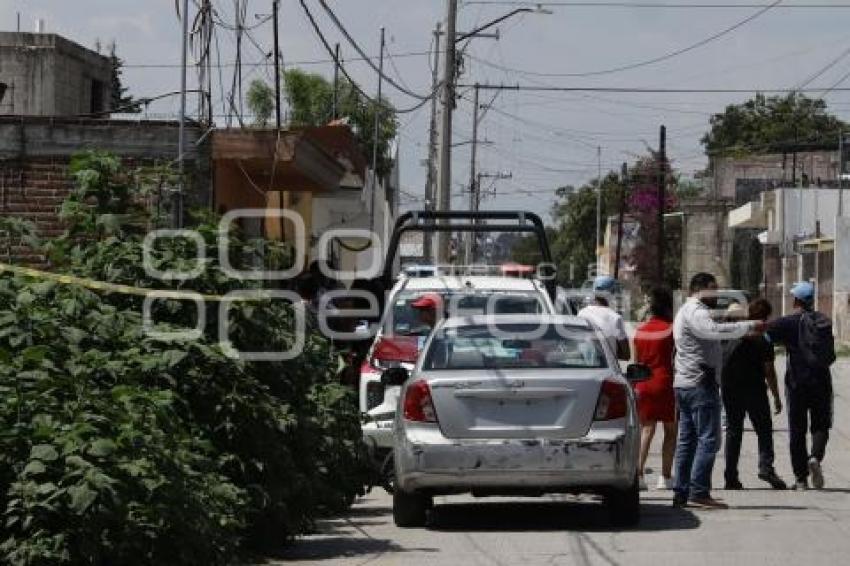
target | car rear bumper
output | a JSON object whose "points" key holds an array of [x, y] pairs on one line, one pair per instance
{"points": [[425, 459]]}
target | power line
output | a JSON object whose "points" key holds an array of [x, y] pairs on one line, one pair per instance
{"points": [[402, 55], [650, 90], [362, 53], [654, 5], [824, 69], [343, 70], [640, 64]]}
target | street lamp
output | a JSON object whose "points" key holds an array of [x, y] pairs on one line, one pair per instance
{"points": [[448, 100], [538, 10]]}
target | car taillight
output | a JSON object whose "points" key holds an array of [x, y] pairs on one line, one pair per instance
{"points": [[613, 401], [418, 406]]}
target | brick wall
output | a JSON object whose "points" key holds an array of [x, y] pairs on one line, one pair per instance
{"points": [[32, 190], [35, 153]]}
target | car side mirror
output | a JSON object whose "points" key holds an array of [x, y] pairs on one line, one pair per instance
{"points": [[638, 372], [394, 376]]}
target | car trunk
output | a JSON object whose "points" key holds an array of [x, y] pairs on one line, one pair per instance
{"points": [[551, 403]]}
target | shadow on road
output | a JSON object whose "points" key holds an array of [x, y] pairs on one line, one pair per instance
{"points": [[553, 516], [326, 548]]}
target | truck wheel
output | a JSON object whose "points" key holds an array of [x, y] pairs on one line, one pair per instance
{"points": [[624, 506], [410, 509], [388, 474]]}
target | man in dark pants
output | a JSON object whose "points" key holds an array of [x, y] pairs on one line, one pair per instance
{"points": [[808, 391], [747, 375]]}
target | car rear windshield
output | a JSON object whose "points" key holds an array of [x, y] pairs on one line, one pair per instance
{"points": [[405, 320], [508, 346]]}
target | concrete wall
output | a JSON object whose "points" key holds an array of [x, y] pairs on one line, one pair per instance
{"points": [[802, 208], [47, 75], [730, 171], [707, 242], [841, 282]]}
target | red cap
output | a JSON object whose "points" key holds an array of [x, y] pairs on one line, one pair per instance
{"points": [[428, 301]]}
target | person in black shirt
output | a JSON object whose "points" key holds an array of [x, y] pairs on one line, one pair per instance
{"points": [[808, 392], [747, 375]]}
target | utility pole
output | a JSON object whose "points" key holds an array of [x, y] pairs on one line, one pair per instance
{"points": [[473, 185], [376, 132], [841, 174], [662, 182], [598, 205], [275, 6], [624, 183], [432, 143], [181, 129], [335, 108], [444, 197]]}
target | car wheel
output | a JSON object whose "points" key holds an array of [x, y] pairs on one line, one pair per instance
{"points": [[624, 505], [410, 509]]}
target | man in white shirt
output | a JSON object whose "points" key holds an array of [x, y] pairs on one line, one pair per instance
{"points": [[698, 364], [609, 321]]}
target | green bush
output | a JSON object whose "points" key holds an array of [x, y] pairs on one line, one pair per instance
{"points": [[117, 448]]}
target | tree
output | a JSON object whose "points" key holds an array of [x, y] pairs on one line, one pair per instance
{"points": [[771, 124], [642, 203], [120, 99], [310, 98], [261, 102], [573, 244]]}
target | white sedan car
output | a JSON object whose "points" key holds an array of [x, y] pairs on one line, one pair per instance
{"points": [[516, 405]]}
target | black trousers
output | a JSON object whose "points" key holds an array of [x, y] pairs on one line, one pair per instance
{"points": [[740, 402], [809, 406]]}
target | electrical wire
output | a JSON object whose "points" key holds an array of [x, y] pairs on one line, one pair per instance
{"points": [[648, 90], [824, 69], [343, 70], [304, 62], [651, 5], [362, 53], [638, 64]]}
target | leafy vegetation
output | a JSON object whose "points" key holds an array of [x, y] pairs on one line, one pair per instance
{"points": [[122, 447], [260, 100], [310, 99], [767, 124]]}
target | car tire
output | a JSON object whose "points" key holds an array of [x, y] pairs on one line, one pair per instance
{"points": [[410, 509], [624, 505]]}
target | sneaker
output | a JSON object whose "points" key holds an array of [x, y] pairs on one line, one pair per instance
{"points": [[733, 485], [816, 472], [707, 503], [680, 502], [642, 484], [774, 480], [800, 485], [664, 484]]}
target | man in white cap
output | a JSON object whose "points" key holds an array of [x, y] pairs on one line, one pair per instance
{"points": [[609, 321], [807, 336]]}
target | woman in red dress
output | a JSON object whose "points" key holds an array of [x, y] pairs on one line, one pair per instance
{"points": [[656, 399]]}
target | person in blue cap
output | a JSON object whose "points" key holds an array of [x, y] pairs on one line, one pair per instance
{"points": [[807, 336], [609, 321]]}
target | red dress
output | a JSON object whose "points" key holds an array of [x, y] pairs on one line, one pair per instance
{"points": [[654, 348]]}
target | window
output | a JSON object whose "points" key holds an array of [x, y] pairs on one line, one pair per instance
{"points": [[96, 106], [505, 347]]}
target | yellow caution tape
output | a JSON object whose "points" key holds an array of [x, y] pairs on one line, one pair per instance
{"points": [[124, 289]]}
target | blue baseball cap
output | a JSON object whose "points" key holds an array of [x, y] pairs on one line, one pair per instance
{"points": [[803, 291], [604, 283]]}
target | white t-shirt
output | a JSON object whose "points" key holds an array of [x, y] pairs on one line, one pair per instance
{"points": [[608, 321]]}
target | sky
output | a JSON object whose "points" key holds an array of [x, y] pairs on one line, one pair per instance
{"points": [[543, 139]]}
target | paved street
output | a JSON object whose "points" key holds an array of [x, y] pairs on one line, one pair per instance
{"points": [[762, 527]]}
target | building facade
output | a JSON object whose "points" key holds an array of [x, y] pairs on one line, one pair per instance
{"points": [[43, 74]]}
